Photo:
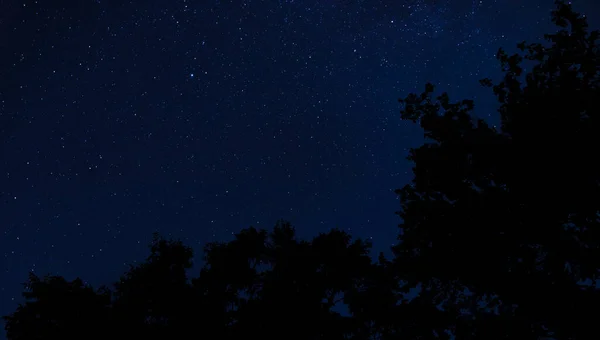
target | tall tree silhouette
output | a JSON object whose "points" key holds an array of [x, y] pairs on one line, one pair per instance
{"points": [[501, 226]]}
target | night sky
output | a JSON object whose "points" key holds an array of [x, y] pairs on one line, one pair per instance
{"points": [[199, 118]]}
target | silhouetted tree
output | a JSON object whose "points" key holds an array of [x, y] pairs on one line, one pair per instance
{"points": [[274, 286], [154, 300], [267, 285], [58, 309], [500, 227]]}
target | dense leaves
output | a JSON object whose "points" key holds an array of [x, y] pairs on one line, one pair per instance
{"points": [[499, 236], [57, 309], [512, 214], [260, 284]]}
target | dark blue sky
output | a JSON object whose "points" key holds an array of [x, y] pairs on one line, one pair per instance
{"points": [[199, 118]]}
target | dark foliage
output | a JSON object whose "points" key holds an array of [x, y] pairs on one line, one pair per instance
{"points": [[57, 309], [511, 215], [263, 285], [499, 237]]}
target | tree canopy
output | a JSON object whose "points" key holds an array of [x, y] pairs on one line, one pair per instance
{"points": [[499, 236], [511, 215]]}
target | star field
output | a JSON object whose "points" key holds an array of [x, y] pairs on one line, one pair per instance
{"points": [[199, 118]]}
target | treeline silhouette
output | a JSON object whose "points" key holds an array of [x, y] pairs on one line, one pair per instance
{"points": [[499, 236]]}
